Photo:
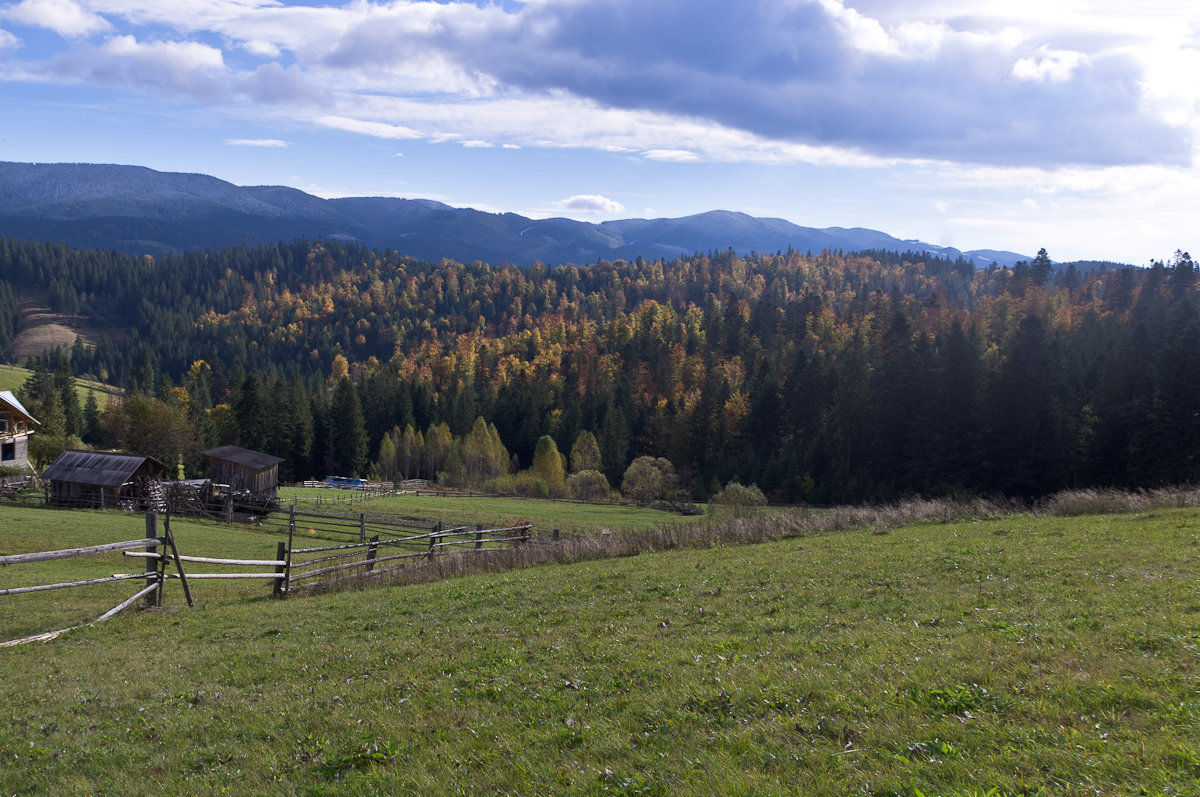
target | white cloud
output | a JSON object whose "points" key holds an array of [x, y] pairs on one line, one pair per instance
{"points": [[817, 81], [671, 155], [266, 143], [1056, 66], [367, 128], [64, 17], [8, 41], [187, 70], [590, 203], [171, 55]]}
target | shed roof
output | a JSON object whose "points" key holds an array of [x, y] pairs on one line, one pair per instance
{"points": [[6, 397], [255, 460], [100, 469]]}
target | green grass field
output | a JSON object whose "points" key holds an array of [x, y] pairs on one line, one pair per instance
{"points": [[1022, 655], [13, 377], [545, 515]]}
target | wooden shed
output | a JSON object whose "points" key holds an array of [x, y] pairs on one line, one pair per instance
{"points": [[15, 429], [244, 471], [99, 480]]}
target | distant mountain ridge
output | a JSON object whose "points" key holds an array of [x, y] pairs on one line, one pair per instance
{"points": [[143, 211]]}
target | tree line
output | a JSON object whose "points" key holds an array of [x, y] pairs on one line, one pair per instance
{"points": [[825, 378]]}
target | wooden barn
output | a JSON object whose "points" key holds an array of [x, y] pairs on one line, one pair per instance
{"points": [[15, 423], [241, 471], [104, 480]]}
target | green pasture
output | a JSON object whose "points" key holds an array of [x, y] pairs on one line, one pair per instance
{"points": [[1023, 655], [13, 377], [545, 515]]}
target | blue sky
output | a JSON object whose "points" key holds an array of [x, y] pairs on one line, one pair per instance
{"points": [[1017, 124]]}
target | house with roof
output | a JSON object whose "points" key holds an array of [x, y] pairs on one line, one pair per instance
{"points": [[15, 428], [95, 479], [240, 470]]}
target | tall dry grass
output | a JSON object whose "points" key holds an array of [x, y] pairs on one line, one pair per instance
{"points": [[1109, 501]]}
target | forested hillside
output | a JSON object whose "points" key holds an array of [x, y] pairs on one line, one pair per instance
{"points": [[833, 377]]}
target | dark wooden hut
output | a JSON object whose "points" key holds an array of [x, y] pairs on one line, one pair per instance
{"points": [[242, 471], [96, 479]]}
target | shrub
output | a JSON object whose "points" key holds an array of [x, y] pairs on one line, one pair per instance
{"points": [[588, 485], [739, 499]]}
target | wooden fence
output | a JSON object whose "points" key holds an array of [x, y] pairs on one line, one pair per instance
{"points": [[391, 546], [153, 575], [373, 546]]}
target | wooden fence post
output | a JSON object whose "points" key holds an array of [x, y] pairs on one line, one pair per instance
{"points": [[437, 529], [556, 535], [151, 563], [281, 551], [287, 581], [371, 549], [478, 536], [229, 508], [362, 527]]}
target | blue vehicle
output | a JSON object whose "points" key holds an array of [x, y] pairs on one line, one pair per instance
{"points": [[346, 482]]}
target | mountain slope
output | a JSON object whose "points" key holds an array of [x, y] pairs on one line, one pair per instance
{"points": [[139, 210]]}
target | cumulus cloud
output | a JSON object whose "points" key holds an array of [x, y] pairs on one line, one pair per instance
{"points": [[590, 203], [1056, 66], [176, 69], [272, 83], [266, 143], [819, 73], [1006, 82], [8, 41], [64, 17]]}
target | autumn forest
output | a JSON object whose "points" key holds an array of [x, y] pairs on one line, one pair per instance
{"points": [[821, 378]]}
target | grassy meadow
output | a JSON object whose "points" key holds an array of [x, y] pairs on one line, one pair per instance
{"points": [[1016, 655], [567, 516], [13, 377]]}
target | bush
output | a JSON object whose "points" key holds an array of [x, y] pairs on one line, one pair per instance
{"points": [[588, 485], [740, 499], [648, 479]]}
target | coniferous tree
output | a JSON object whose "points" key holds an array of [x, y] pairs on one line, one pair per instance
{"points": [[347, 432]]}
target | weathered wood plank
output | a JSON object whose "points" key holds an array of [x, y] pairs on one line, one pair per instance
{"points": [[43, 587], [211, 561], [193, 576], [69, 553]]}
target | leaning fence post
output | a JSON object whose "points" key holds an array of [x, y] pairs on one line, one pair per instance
{"points": [[152, 563], [371, 549], [170, 538], [280, 569]]}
